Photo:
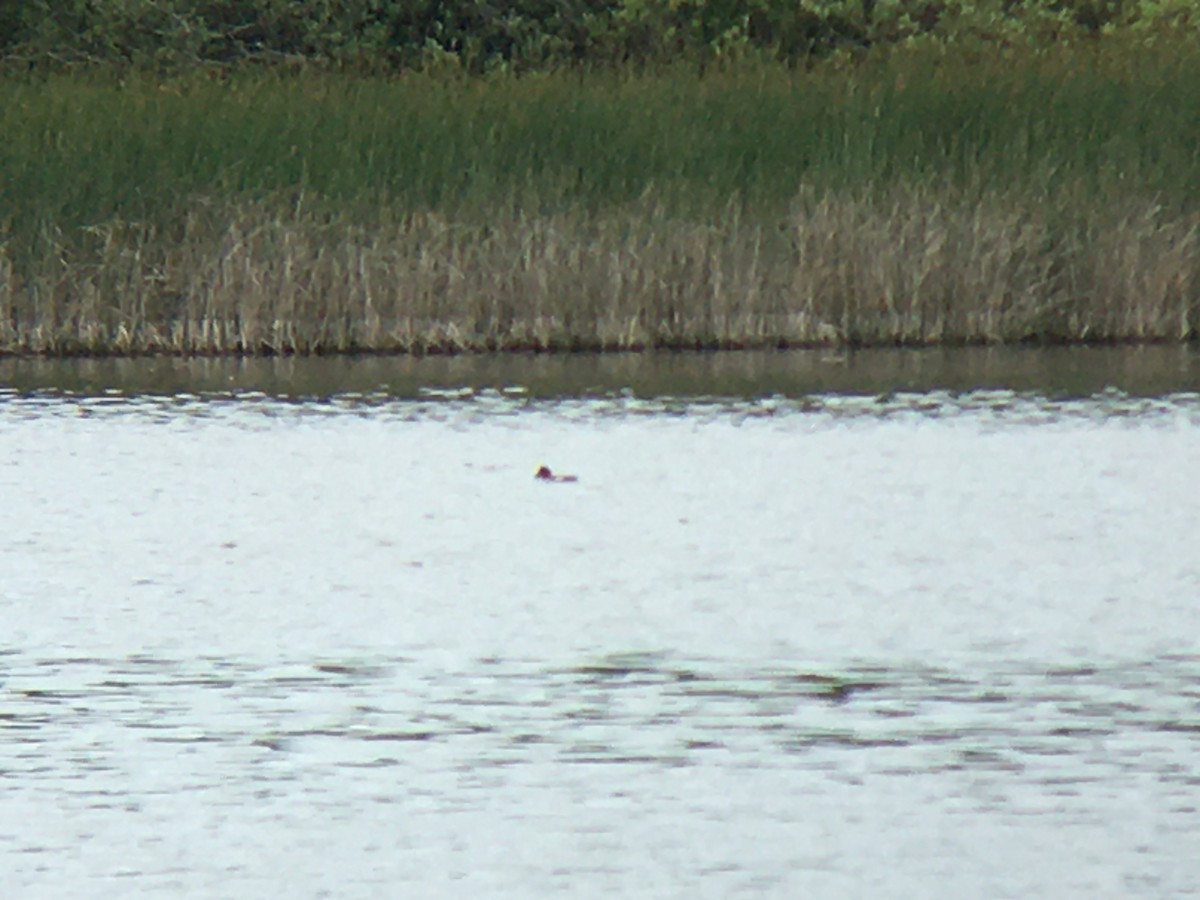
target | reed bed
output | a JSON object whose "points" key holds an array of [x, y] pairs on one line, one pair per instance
{"points": [[922, 196], [920, 267]]}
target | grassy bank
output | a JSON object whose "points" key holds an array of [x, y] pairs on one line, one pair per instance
{"points": [[923, 195]]}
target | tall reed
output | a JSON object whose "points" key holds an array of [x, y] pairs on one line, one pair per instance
{"points": [[918, 266]]}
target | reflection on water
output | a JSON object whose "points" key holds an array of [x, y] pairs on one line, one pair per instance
{"points": [[923, 644], [1051, 371]]}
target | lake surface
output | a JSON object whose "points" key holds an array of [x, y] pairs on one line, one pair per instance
{"points": [[313, 629]]}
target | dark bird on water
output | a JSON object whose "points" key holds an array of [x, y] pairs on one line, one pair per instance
{"points": [[544, 474]]}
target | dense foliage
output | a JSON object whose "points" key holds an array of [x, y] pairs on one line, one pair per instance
{"points": [[480, 35]]}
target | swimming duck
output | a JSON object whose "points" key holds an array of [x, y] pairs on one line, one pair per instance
{"points": [[544, 474]]}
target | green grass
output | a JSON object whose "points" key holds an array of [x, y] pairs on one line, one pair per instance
{"points": [[78, 152], [108, 185]]}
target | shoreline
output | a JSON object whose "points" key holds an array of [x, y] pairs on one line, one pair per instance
{"points": [[534, 352]]}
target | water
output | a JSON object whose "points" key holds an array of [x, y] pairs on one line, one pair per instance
{"points": [[935, 643]]}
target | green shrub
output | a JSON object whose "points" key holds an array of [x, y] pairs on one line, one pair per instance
{"points": [[483, 35]]}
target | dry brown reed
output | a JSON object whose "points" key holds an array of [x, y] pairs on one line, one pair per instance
{"points": [[920, 266]]}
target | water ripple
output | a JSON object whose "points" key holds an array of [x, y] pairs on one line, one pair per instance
{"points": [[465, 405]]}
